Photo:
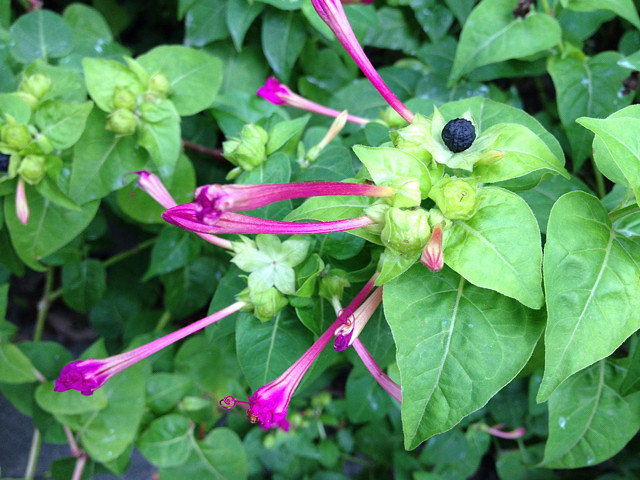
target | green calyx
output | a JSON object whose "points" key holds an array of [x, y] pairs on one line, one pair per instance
{"points": [[124, 98], [32, 169], [159, 84], [392, 118], [456, 197], [248, 151], [122, 122], [406, 231], [37, 85], [412, 138], [333, 285], [15, 136]]}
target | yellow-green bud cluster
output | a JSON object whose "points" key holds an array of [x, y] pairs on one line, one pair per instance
{"points": [[122, 122], [411, 139], [456, 197], [15, 136], [33, 88], [248, 151], [32, 169], [406, 231]]}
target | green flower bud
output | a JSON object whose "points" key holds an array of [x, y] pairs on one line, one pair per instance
{"points": [[392, 118], [408, 193], [31, 169], [122, 122], [267, 303], [406, 231], [489, 157], [333, 285], [28, 99], [249, 150], [412, 138], [456, 197], [43, 142], [15, 136], [160, 84], [37, 85], [377, 213], [124, 98]]}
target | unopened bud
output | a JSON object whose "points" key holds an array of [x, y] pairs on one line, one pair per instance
{"points": [[408, 193], [37, 85], [248, 151], [456, 197], [160, 84], [377, 213], [432, 254], [406, 231], [43, 143], [392, 118], [31, 169], [15, 136], [333, 285], [489, 157], [411, 138], [124, 98], [122, 122], [267, 303], [28, 99]]}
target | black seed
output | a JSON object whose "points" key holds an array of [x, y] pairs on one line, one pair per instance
{"points": [[458, 134], [4, 162]]}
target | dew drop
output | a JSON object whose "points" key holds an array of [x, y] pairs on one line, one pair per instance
{"points": [[470, 325], [589, 460], [562, 422]]}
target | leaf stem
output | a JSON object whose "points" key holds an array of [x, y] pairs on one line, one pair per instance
{"points": [[212, 152], [600, 189], [43, 306], [618, 213], [164, 319], [34, 453], [127, 253]]}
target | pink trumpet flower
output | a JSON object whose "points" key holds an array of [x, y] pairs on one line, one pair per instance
{"points": [[22, 207], [391, 387], [279, 94], [332, 13], [87, 376]]}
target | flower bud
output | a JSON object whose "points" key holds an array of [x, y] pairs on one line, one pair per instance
{"points": [[37, 85], [406, 231], [31, 169], [15, 136], [432, 254], [392, 118], [456, 197], [28, 99], [377, 213], [333, 285], [249, 150], [43, 143], [489, 157], [159, 84], [122, 122], [124, 98], [267, 303], [408, 193], [411, 139]]}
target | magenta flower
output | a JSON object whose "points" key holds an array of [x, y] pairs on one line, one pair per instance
{"points": [[333, 15], [22, 207], [391, 387], [279, 94], [88, 375], [213, 200], [349, 331], [269, 404], [432, 255]]}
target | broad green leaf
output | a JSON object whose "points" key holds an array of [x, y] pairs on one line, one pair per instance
{"points": [[333, 165], [284, 131], [220, 456], [50, 226], [395, 263], [47, 357], [40, 34], [434, 18], [591, 88], [366, 401], [616, 148], [205, 23], [499, 247], [283, 37], [491, 34], [195, 76], [189, 289], [167, 442], [173, 249], [61, 122], [102, 77], [589, 419], [101, 160], [165, 390], [284, 4], [83, 283], [391, 31], [13, 105], [266, 350], [70, 402], [460, 8], [88, 22], [623, 8], [15, 367], [455, 454], [457, 346], [240, 16], [592, 285], [524, 153]]}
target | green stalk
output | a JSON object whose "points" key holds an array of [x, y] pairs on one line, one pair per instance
{"points": [[618, 213], [43, 306], [34, 453], [127, 253], [600, 190]]}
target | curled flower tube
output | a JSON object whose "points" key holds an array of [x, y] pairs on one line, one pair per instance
{"points": [[87, 376], [279, 94], [269, 404], [391, 387], [332, 13], [22, 207], [347, 333], [497, 431], [347, 314]]}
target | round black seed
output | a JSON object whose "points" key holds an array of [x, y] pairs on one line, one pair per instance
{"points": [[458, 134], [4, 162]]}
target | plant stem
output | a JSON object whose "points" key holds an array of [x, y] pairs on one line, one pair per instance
{"points": [[618, 213], [43, 306], [34, 453], [212, 152], [164, 319], [600, 190], [127, 253]]}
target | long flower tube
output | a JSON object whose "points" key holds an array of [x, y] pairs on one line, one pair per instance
{"points": [[391, 387], [186, 216], [332, 13], [152, 185], [279, 94], [213, 200], [87, 376]]}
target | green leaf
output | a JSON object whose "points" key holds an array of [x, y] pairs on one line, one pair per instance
{"points": [[195, 76], [13, 105], [589, 420], [189, 289], [101, 160], [240, 16], [284, 4], [173, 249], [88, 22], [15, 367], [333, 165], [592, 286], [391, 31], [434, 18], [159, 133], [266, 350], [592, 88], [50, 226], [220, 456], [623, 8], [61, 122], [284, 131], [83, 283], [102, 77], [366, 401], [40, 34], [616, 149], [70, 402], [205, 22], [168, 441], [165, 390], [457, 346], [499, 247], [491, 34], [66, 85], [283, 37], [524, 153]]}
